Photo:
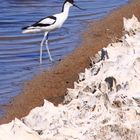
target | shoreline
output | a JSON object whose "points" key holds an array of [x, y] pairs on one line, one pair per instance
{"points": [[99, 34]]}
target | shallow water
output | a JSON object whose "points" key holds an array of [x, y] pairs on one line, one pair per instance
{"points": [[19, 53]]}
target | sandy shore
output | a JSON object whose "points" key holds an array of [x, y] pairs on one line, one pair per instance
{"points": [[53, 84]]}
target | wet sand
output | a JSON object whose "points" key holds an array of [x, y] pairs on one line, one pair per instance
{"points": [[52, 84]]}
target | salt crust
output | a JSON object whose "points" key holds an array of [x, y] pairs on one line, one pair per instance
{"points": [[104, 104]]}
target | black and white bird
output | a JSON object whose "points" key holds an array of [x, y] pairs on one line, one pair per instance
{"points": [[49, 24]]}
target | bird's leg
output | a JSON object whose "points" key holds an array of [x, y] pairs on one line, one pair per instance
{"points": [[46, 42], [41, 46]]}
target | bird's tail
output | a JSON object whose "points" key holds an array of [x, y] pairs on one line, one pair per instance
{"points": [[25, 29], [30, 29]]}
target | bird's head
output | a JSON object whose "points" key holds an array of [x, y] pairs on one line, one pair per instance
{"points": [[71, 2]]}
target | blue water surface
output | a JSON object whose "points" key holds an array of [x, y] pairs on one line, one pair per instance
{"points": [[19, 53]]}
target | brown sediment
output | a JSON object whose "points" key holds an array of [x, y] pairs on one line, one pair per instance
{"points": [[53, 84]]}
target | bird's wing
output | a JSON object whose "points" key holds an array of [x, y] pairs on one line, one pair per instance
{"points": [[45, 21]]}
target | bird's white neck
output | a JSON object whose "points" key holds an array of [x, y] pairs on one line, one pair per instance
{"points": [[66, 8]]}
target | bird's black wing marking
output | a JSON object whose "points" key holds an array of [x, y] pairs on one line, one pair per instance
{"points": [[24, 28], [41, 23], [52, 17]]}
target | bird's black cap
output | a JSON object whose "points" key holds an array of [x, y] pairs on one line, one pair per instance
{"points": [[70, 1]]}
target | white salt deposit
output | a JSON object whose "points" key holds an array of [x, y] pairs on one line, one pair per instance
{"points": [[104, 104]]}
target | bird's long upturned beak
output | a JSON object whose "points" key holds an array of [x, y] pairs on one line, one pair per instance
{"points": [[78, 7]]}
